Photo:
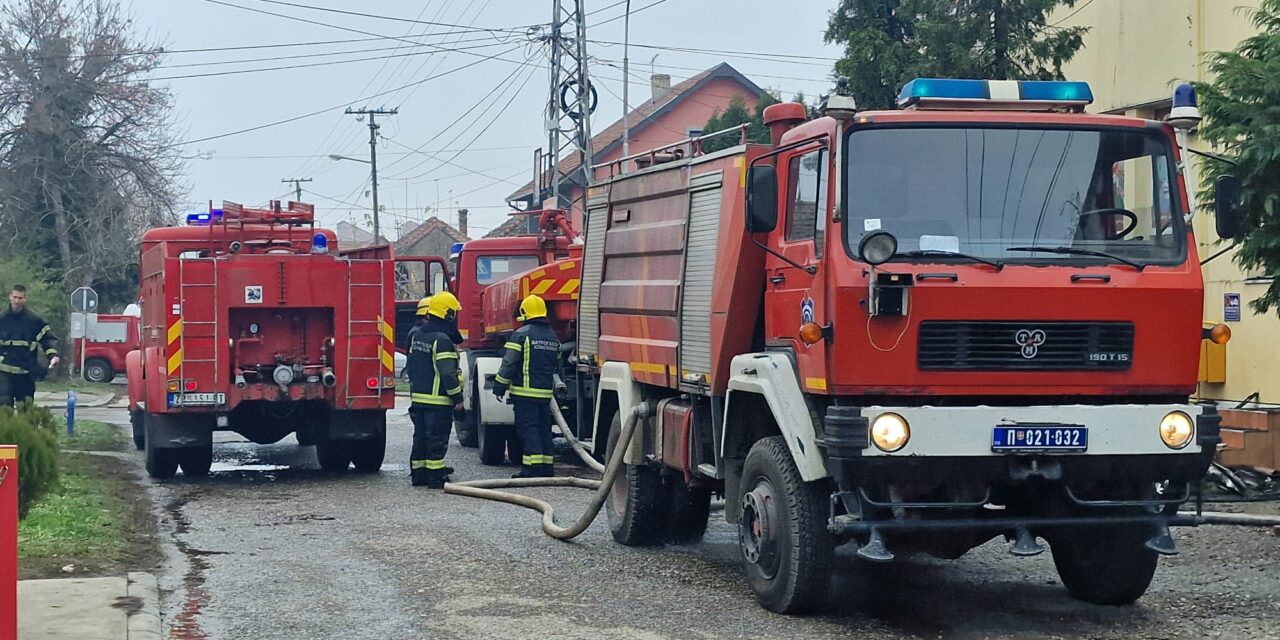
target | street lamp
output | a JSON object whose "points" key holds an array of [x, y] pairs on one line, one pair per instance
{"points": [[374, 180]]}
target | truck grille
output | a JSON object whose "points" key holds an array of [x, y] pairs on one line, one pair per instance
{"points": [[1025, 346]]}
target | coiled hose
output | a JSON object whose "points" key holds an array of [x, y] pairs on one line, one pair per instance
{"points": [[487, 489]]}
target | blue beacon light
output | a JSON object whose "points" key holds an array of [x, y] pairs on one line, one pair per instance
{"points": [[320, 243]]}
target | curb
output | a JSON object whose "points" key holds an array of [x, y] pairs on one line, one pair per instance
{"points": [[145, 623]]}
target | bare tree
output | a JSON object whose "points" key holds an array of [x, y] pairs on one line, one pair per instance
{"points": [[88, 157]]}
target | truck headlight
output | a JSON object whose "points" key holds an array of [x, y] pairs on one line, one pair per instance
{"points": [[1176, 430], [890, 432]]}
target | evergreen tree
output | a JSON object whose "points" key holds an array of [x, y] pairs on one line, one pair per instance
{"points": [[1242, 117], [735, 114], [889, 42]]}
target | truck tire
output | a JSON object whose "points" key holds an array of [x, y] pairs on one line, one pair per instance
{"points": [[161, 464], [492, 440], [688, 509], [367, 454], [333, 455], [139, 430], [98, 370], [467, 428], [1105, 566], [786, 548], [636, 507], [195, 461]]}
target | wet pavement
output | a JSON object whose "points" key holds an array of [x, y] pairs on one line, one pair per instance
{"points": [[269, 546]]}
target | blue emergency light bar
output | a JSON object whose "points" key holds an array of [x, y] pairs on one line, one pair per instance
{"points": [[209, 217], [942, 93], [455, 250]]}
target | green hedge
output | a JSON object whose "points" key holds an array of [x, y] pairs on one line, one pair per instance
{"points": [[35, 431]]}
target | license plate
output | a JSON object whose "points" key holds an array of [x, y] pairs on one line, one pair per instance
{"points": [[196, 399], [1040, 438]]}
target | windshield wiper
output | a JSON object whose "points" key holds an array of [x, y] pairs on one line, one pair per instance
{"points": [[921, 253], [1081, 252]]}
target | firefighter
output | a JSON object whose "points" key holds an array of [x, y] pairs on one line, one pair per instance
{"points": [[435, 387], [22, 333], [528, 371]]}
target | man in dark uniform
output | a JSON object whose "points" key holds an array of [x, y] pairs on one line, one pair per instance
{"points": [[22, 334], [528, 370], [435, 387]]}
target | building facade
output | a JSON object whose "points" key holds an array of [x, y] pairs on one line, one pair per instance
{"points": [[1134, 54]]}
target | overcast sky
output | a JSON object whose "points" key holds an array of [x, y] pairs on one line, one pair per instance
{"points": [[497, 103]]}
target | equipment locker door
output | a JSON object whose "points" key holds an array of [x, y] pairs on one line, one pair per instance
{"points": [[795, 290]]}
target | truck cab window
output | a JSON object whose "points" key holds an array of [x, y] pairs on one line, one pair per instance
{"points": [[490, 269], [807, 199]]}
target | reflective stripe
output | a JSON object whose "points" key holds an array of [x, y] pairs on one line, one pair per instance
{"points": [[528, 355], [527, 392], [447, 355], [50, 352], [8, 368], [454, 391], [434, 464], [427, 398], [514, 346], [16, 343], [531, 460], [417, 464], [43, 332], [501, 380]]}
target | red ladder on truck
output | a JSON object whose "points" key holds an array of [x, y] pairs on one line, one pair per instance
{"points": [[197, 311], [365, 336]]}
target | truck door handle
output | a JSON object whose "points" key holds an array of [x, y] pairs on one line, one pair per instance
{"points": [[779, 279]]}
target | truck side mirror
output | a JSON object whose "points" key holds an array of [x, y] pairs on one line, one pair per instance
{"points": [[437, 282], [1226, 206], [762, 199]]}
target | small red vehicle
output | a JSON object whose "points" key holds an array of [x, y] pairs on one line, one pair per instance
{"points": [[111, 338]]}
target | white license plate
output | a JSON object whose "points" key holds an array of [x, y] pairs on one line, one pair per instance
{"points": [[196, 399]]}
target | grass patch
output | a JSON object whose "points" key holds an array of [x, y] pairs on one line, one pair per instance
{"points": [[98, 522], [92, 435], [65, 385]]}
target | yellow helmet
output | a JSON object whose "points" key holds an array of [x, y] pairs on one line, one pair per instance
{"points": [[532, 307], [441, 304], [423, 304]]}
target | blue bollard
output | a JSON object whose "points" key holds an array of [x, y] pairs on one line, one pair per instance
{"points": [[71, 413]]}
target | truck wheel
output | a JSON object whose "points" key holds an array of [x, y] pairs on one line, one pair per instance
{"points": [[98, 370], [492, 440], [468, 433], [636, 504], [1105, 565], [367, 454], [688, 510], [139, 430], [786, 548], [333, 455], [161, 464], [195, 461]]}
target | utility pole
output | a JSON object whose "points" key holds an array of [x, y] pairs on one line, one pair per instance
{"points": [[373, 155], [297, 187], [626, 82], [571, 99]]}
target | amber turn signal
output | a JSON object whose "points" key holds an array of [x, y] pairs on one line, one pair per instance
{"points": [[1220, 334], [810, 333]]}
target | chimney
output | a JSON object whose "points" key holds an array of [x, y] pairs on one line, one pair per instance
{"points": [[462, 222], [661, 85]]}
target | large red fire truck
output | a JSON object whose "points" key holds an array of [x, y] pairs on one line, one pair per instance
{"points": [[492, 276], [908, 330], [253, 322]]}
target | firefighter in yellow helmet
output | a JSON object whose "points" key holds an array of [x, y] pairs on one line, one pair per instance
{"points": [[528, 371], [435, 387]]}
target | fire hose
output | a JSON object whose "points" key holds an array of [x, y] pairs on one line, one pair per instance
{"points": [[487, 489]]}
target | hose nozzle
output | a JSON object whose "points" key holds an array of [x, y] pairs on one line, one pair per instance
{"points": [[240, 381], [328, 379]]}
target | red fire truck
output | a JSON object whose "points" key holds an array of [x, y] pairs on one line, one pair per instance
{"points": [[492, 276], [253, 323], [913, 330], [110, 339]]}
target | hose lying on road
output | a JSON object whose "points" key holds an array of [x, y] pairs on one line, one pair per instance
{"points": [[1237, 519], [485, 489]]}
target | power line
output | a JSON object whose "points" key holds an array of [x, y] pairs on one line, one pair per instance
{"points": [[617, 18], [312, 64], [212, 63], [324, 155], [730, 52], [328, 109], [507, 30]]}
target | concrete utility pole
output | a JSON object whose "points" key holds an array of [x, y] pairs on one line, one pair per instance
{"points": [[373, 155], [297, 187], [626, 82]]}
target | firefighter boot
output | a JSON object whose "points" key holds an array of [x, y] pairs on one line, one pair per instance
{"points": [[546, 470], [529, 471], [437, 479]]}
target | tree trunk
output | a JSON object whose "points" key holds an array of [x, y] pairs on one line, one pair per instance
{"points": [[1000, 42], [60, 227]]}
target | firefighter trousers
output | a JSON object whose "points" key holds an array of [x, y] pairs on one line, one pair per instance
{"points": [[533, 425], [16, 388], [431, 427]]}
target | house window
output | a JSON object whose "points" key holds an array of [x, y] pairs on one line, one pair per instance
{"points": [[693, 132]]}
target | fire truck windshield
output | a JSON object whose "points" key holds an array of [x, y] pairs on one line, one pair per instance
{"points": [[983, 191]]}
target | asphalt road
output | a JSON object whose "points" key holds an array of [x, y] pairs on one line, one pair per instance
{"points": [[269, 546]]}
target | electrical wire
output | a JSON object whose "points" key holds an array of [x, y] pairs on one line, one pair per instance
{"points": [[360, 14], [633, 12]]}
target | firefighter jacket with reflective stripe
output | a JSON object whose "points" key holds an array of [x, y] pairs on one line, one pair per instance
{"points": [[433, 365], [21, 335], [530, 361]]}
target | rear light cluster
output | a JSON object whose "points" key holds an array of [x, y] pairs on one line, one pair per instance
{"points": [[182, 385], [373, 382]]}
